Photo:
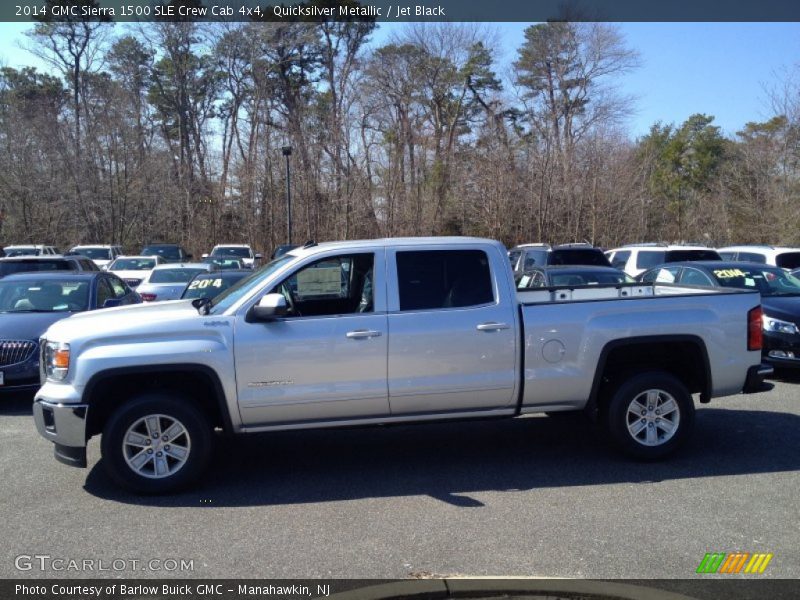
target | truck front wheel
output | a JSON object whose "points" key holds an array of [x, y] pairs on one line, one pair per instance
{"points": [[650, 415], [156, 443]]}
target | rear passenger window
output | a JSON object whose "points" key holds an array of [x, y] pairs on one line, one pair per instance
{"points": [[118, 287], [620, 259], [432, 279]]}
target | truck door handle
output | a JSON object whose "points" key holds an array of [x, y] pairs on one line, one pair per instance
{"points": [[493, 326], [362, 333]]}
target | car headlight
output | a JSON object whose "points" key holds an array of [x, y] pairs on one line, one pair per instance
{"points": [[778, 326], [56, 360]]}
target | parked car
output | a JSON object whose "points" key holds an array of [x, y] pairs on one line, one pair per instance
{"points": [[167, 281], [240, 251], [209, 285], [635, 259], [282, 249], [527, 256], [102, 255], [778, 256], [31, 250], [386, 331], [571, 276], [31, 302], [224, 264], [27, 264], [133, 269], [171, 253], [780, 298]]}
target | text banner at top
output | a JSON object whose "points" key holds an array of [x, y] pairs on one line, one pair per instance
{"points": [[401, 10]]}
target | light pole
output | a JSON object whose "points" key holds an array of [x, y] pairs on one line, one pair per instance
{"points": [[287, 152]]}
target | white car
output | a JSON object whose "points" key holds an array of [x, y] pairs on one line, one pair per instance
{"points": [[240, 251], [134, 269], [30, 250], [167, 282], [635, 259], [778, 256], [101, 254]]}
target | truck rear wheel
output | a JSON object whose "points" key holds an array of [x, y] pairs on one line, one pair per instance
{"points": [[156, 443], [650, 415]]}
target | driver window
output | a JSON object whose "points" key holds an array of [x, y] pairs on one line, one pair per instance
{"points": [[337, 285]]}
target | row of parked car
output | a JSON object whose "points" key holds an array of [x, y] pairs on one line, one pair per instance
{"points": [[772, 270]]}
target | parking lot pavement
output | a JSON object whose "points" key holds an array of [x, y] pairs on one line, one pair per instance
{"points": [[536, 496]]}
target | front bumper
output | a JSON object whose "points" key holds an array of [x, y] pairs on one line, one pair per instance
{"points": [[782, 349], [65, 426], [754, 382]]}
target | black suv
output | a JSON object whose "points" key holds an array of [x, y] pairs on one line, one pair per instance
{"points": [[527, 256], [28, 264], [171, 253]]}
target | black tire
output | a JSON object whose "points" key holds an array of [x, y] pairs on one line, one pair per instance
{"points": [[621, 423], [172, 408]]}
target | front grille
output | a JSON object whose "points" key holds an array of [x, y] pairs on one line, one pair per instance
{"points": [[133, 282], [13, 352]]}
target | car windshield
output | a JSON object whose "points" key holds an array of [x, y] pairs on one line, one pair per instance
{"points": [[684, 255], [571, 278], [224, 263], [48, 295], [588, 256], [168, 252], [133, 264], [236, 292], [93, 253], [222, 251], [31, 266], [208, 287], [26, 251], [173, 275], [788, 260], [770, 281]]}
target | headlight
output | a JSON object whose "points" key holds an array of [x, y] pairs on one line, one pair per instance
{"points": [[56, 360], [778, 326]]}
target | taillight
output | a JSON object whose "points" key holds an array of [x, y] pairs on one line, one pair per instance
{"points": [[755, 334], [150, 297]]}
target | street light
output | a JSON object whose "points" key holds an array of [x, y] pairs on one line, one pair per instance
{"points": [[287, 152]]}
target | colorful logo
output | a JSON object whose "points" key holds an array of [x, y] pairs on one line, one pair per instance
{"points": [[736, 562]]}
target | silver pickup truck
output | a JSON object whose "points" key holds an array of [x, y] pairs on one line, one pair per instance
{"points": [[386, 331]]}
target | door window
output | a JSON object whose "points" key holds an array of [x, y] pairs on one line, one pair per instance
{"points": [[433, 279], [118, 287], [695, 277], [336, 285], [103, 292]]}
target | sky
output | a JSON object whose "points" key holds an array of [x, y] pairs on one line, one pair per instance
{"points": [[721, 69]]}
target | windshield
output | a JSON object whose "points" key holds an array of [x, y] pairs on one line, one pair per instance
{"points": [[50, 295], [222, 251], [236, 292], [173, 275], [208, 287], [683, 255], [588, 256], [225, 263], [133, 264], [31, 266], [770, 281], [26, 251], [571, 278], [168, 252], [93, 253], [788, 260]]}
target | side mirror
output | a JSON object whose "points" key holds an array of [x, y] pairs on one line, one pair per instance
{"points": [[269, 307], [204, 255], [111, 302]]}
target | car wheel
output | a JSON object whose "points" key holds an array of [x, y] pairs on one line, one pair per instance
{"points": [[650, 415], [156, 443]]}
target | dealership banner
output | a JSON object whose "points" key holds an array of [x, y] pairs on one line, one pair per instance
{"points": [[742, 588], [400, 10]]}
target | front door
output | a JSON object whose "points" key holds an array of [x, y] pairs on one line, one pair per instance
{"points": [[326, 359]]}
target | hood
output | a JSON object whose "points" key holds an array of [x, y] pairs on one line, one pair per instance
{"points": [[784, 308], [140, 318], [28, 326]]}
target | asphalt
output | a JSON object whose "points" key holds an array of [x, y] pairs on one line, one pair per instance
{"points": [[540, 496]]}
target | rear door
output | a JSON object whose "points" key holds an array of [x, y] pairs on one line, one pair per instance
{"points": [[452, 336]]}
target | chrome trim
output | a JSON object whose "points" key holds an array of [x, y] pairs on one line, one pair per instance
{"points": [[69, 422]]}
